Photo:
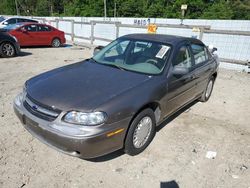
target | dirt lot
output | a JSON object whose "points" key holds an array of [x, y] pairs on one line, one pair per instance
{"points": [[175, 158]]}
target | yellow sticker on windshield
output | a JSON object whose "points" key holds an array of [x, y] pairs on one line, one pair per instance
{"points": [[162, 51]]}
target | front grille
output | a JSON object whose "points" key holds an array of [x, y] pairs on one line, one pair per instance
{"points": [[39, 110]]}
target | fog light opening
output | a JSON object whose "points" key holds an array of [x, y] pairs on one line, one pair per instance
{"points": [[76, 153]]}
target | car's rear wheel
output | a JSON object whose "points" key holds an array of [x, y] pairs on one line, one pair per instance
{"points": [[208, 91], [7, 50], [141, 132], [56, 43]]}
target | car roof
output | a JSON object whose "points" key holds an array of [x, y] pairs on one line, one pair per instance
{"points": [[34, 23], [20, 17], [168, 39]]}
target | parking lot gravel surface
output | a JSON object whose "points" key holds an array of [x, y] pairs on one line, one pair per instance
{"points": [[177, 157]]}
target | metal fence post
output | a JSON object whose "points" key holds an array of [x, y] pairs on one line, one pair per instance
{"points": [[117, 30], [72, 30], [92, 32], [201, 33], [57, 23]]}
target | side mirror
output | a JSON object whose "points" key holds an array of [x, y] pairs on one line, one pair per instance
{"points": [[5, 23], [179, 70], [97, 49], [212, 49]]}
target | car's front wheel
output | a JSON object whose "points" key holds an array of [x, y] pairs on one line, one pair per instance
{"points": [[56, 43], [7, 50], [208, 91], [141, 132]]}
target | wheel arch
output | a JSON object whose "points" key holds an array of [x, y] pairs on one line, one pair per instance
{"points": [[215, 75], [154, 106], [56, 37]]}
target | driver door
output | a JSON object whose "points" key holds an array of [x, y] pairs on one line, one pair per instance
{"points": [[27, 35], [181, 88]]}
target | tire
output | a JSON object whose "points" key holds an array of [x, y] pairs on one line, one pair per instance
{"points": [[7, 50], [56, 43], [141, 132], [208, 91]]}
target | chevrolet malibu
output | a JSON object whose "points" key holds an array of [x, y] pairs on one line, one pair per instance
{"points": [[116, 99]]}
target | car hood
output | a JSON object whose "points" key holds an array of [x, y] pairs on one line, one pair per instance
{"points": [[82, 86], [2, 26]]}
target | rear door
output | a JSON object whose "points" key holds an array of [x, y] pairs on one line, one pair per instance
{"points": [[44, 34], [202, 66], [181, 88]]}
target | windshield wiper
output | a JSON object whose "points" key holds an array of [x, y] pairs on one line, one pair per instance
{"points": [[115, 66], [111, 65], [93, 60]]}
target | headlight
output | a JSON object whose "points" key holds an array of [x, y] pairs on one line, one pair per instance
{"points": [[20, 97], [93, 118]]}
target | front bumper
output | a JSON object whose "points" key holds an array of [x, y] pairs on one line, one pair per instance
{"points": [[94, 144]]}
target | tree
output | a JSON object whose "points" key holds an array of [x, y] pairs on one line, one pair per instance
{"points": [[219, 10], [241, 9], [7, 7], [208, 9]]}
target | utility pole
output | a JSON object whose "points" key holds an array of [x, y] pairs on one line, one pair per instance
{"points": [[17, 9], [115, 10], [183, 9], [105, 9], [51, 8]]}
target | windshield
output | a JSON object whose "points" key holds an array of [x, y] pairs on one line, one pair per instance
{"points": [[2, 18], [135, 55]]}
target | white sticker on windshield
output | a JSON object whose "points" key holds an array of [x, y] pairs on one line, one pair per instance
{"points": [[162, 51]]}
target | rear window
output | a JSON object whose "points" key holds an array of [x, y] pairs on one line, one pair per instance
{"points": [[32, 21], [20, 20], [43, 28]]}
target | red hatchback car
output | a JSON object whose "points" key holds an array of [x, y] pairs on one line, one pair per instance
{"points": [[36, 34]]}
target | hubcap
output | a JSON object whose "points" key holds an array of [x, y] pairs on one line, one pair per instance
{"points": [[56, 43], [209, 88], [142, 132], [8, 50]]}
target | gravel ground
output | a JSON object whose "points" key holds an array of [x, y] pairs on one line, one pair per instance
{"points": [[175, 158]]}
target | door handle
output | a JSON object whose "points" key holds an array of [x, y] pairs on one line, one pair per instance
{"points": [[193, 77]]}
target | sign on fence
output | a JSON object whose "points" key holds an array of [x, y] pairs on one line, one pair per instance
{"points": [[152, 28]]}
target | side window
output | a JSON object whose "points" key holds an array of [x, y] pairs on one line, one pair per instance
{"points": [[183, 58], [200, 53], [11, 21], [30, 28], [42, 28], [31, 21], [19, 20]]}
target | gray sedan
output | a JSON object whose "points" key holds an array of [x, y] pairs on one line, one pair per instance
{"points": [[116, 99]]}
